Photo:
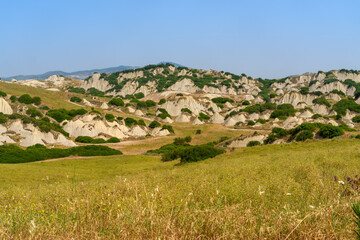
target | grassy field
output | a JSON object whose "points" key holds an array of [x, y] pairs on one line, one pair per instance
{"points": [[50, 98], [268, 192]]}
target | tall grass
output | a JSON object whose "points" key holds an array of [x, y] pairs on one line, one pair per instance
{"points": [[274, 192]]}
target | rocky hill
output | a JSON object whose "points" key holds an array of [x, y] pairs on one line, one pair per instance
{"points": [[145, 102]]}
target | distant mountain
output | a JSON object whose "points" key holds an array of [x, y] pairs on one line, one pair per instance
{"points": [[78, 74]]}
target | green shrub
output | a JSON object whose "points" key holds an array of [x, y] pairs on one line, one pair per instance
{"points": [[14, 154], [75, 99], [221, 100], [169, 128], [62, 114], [341, 106], [253, 143], [317, 93], [36, 101], [139, 95], [199, 152], [245, 103], [26, 99], [113, 140], [198, 131], [283, 111], [329, 131], [154, 124], [141, 122], [84, 139], [2, 94], [130, 122], [186, 110], [203, 116], [95, 92], [356, 119], [109, 117], [260, 120], [316, 116], [34, 112], [76, 90], [13, 98], [302, 136], [321, 101], [116, 102], [304, 90], [251, 123], [162, 101], [182, 141], [180, 94], [3, 118]]}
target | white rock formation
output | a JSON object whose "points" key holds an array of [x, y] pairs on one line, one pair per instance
{"points": [[5, 107], [217, 118]]}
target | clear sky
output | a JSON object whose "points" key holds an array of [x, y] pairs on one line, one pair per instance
{"points": [[262, 38]]}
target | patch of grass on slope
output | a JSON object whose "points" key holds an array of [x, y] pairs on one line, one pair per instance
{"points": [[273, 191], [50, 98]]}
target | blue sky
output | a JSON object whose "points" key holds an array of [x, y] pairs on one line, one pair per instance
{"points": [[261, 38]]}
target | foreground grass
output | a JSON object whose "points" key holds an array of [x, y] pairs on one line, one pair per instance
{"points": [[274, 192]]}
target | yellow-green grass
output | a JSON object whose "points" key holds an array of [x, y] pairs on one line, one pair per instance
{"points": [[209, 133], [50, 98], [275, 192]]}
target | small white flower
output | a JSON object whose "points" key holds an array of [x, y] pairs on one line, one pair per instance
{"points": [[288, 194], [311, 206], [341, 182]]}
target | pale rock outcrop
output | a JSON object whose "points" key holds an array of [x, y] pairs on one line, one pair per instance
{"points": [[239, 118], [138, 132], [130, 109], [139, 113], [230, 122], [295, 98], [228, 105], [56, 80], [292, 122], [96, 82], [185, 85], [332, 122], [321, 109], [87, 103], [168, 120], [306, 114], [5, 107], [182, 118], [160, 132], [349, 115], [174, 107], [254, 116], [197, 121], [327, 88], [217, 118], [104, 105], [242, 142]]}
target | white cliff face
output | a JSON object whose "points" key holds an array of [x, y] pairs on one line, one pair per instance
{"points": [[327, 88], [217, 118], [295, 98], [29, 135], [185, 85], [174, 107], [96, 82], [5, 107]]}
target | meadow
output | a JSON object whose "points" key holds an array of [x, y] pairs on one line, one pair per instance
{"points": [[284, 191]]}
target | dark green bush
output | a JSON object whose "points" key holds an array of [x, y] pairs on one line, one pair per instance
{"points": [[221, 100], [154, 124], [203, 116], [34, 112], [251, 123], [141, 122], [304, 90], [113, 140], [36, 101], [13, 98], [329, 131], [182, 141], [302, 136], [321, 101], [186, 110], [14, 154], [199, 152], [76, 90], [116, 102], [316, 116], [356, 119], [245, 103], [75, 99], [139, 95], [2, 94], [62, 114], [162, 101], [109, 117], [169, 128], [130, 122], [341, 106], [27, 99], [198, 131], [253, 143]]}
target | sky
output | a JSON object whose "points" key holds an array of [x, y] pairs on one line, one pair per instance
{"points": [[262, 38]]}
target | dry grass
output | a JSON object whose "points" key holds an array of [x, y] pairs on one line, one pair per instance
{"points": [[137, 197]]}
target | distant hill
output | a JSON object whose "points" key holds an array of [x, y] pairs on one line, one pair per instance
{"points": [[78, 74]]}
